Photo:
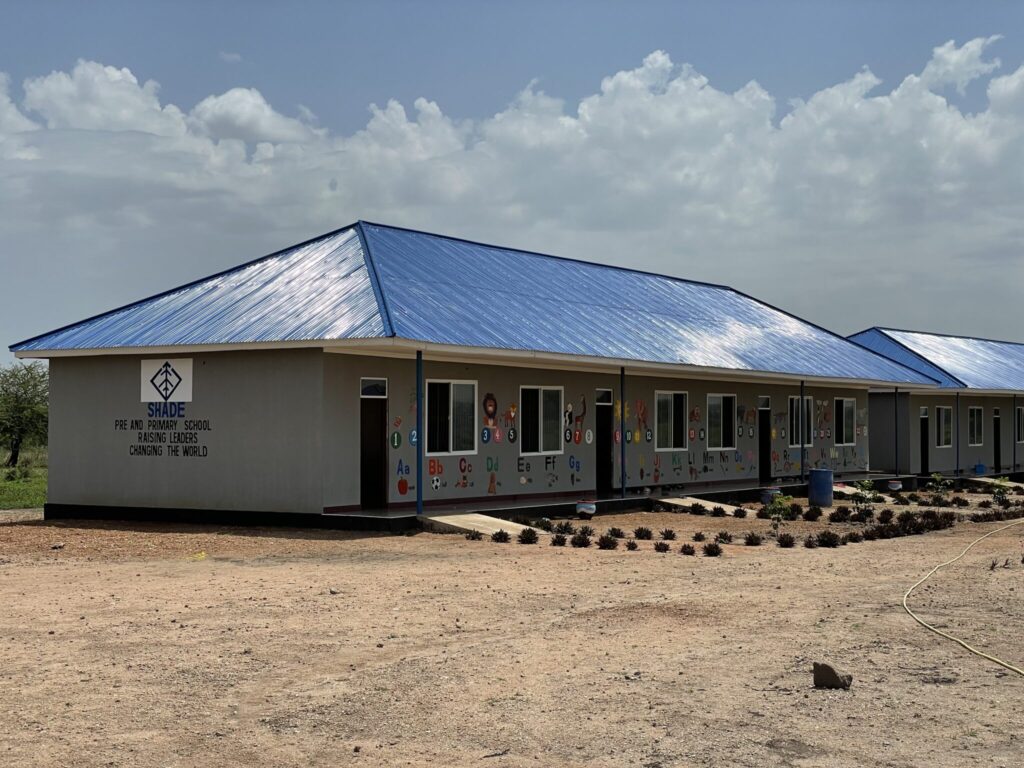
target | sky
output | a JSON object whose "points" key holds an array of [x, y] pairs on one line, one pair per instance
{"points": [[856, 164]]}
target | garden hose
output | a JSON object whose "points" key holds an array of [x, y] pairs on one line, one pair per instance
{"points": [[946, 635]]}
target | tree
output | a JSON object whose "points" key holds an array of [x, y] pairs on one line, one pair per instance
{"points": [[24, 400]]}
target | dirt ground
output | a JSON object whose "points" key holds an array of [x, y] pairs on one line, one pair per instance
{"points": [[150, 645]]}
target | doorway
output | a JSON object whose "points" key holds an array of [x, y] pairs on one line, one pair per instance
{"points": [[997, 443], [764, 441], [604, 443], [373, 444], [925, 439]]}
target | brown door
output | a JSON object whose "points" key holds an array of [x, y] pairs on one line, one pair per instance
{"points": [[373, 453]]}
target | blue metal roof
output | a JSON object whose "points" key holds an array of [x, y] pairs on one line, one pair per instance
{"points": [[373, 281], [320, 289], [961, 362]]}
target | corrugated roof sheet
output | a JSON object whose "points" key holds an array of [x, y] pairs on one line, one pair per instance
{"points": [[877, 341], [964, 362], [321, 289], [369, 281]]}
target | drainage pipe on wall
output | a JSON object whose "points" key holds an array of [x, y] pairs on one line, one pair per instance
{"points": [[958, 434], [803, 436], [622, 431], [896, 430], [419, 432]]}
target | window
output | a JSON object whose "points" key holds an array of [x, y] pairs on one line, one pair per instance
{"points": [[846, 421], [670, 421], [923, 411], [541, 420], [377, 388], [1019, 432], [794, 422], [943, 426], [451, 417], [721, 422], [764, 403], [604, 397], [975, 426]]}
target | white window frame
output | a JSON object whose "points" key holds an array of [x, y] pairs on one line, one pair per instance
{"points": [[948, 410], [686, 430], [840, 403], [764, 402], [611, 396], [1018, 434], [808, 424], [540, 417], [707, 422], [373, 378], [981, 425], [426, 421]]}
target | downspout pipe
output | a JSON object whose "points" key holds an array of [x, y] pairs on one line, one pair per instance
{"points": [[622, 431], [896, 429], [1013, 431], [803, 435], [419, 432], [957, 434]]}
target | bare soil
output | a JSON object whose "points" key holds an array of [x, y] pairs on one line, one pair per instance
{"points": [[150, 645]]}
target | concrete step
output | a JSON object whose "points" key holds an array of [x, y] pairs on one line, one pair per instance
{"points": [[463, 522], [686, 501]]}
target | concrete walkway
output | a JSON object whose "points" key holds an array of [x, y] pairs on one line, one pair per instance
{"points": [[688, 501], [463, 522]]}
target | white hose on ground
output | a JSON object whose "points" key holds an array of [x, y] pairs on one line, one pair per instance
{"points": [[946, 635]]}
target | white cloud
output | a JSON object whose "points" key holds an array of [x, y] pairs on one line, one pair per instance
{"points": [[861, 205], [229, 57]]}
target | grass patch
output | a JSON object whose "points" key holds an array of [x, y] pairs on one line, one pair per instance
{"points": [[23, 493]]}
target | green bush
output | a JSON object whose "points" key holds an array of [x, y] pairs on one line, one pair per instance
{"points": [[717, 511], [607, 542], [565, 527], [501, 536], [712, 549], [786, 540], [474, 535], [687, 549], [668, 534], [631, 545], [643, 533], [753, 539], [558, 540], [739, 512], [661, 546], [616, 533], [812, 513], [723, 537], [828, 539], [699, 536], [580, 540], [527, 536]]}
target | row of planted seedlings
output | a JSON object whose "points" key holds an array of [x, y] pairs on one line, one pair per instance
{"points": [[565, 533]]}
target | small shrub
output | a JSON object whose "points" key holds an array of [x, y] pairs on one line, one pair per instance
{"points": [[795, 510], [811, 541], [839, 515], [853, 537], [580, 540], [544, 524], [986, 504], [616, 533], [739, 512], [909, 523], [900, 500], [812, 513], [520, 520], [717, 511], [586, 530], [474, 536], [753, 539], [763, 513], [687, 549], [643, 533], [661, 546], [828, 539], [558, 540], [885, 516], [632, 546], [668, 534], [712, 549], [607, 542], [913, 497], [723, 537], [527, 536], [698, 509], [786, 540], [501, 536], [565, 527], [870, 534], [699, 536], [960, 501]]}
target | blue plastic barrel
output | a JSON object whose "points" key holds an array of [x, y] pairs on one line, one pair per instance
{"points": [[819, 488]]}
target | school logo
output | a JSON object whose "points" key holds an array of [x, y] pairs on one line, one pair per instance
{"points": [[167, 380]]}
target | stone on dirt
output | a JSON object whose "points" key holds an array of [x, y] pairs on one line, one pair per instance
{"points": [[827, 676]]}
